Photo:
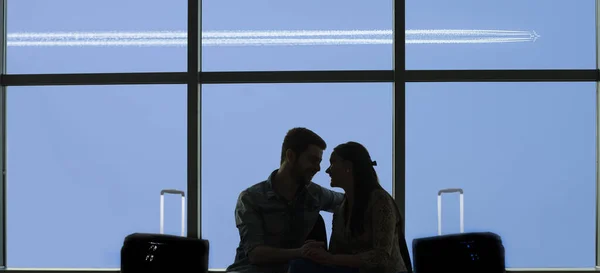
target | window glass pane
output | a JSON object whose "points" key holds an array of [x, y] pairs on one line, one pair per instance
{"points": [[524, 153], [73, 36], [243, 127], [85, 168], [511, 34], [296, 35]]}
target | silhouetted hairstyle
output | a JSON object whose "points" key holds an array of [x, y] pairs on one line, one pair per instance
{"points": [[298, 139], [365, 180]]}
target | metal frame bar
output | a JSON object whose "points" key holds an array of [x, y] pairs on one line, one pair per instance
{"points": [[194, 175], [399, 108], [597, 2], [546, 75], [346, 76], [298, 76], [3, 135], [93, 79]]}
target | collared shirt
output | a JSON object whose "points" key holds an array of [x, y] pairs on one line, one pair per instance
{"points": [[263, 217]]}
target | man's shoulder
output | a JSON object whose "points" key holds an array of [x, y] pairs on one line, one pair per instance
{"points": [[259, 187], [255, 191]]}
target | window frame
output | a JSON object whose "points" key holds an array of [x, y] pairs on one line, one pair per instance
{"points": [[194, 78]]}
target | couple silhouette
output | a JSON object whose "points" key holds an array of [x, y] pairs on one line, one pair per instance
{"points": [[281, 229]]}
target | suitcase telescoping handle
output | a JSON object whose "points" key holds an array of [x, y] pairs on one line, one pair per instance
{"points": [[462, 208], [162, 209]]}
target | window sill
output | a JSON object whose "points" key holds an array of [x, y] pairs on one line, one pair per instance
{"points": [[216, 270]]}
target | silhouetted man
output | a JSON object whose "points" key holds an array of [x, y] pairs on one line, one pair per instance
{"points": [[275, 217]]}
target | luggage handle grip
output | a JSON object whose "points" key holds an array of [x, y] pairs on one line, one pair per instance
{"points": [[172, 191], [451, 190], [162, 209], [462, 208]]}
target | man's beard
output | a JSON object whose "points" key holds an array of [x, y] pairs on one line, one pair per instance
{"points": [[301, 177]]}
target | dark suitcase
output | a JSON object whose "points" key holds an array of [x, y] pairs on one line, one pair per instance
{"points": [[458, 253], [161, 253]]}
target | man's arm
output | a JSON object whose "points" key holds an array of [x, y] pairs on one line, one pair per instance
{"points": [[330, 200], [250, 227]]}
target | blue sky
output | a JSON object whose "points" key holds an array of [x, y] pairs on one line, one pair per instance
{"points": [[86, 164]]}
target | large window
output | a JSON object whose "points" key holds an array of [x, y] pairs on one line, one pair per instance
{"points": [[103, 104], [243, 127], [524, 154], [508, 34], [72, 36], [244, 35], [87, 165]]}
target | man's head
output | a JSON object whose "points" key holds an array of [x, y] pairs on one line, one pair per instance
{"points": [[301, 152]]}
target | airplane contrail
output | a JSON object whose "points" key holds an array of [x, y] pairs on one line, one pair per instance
{"points": [[268, 38]]}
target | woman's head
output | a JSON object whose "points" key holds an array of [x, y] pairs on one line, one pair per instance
{"points": [[351, 167]]}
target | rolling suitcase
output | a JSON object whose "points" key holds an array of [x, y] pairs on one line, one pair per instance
{"points": [[458, 253], [161, 253]]}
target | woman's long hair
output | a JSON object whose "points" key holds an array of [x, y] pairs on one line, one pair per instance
{"points": [[365, 181]]}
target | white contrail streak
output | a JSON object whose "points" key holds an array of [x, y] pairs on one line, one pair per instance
{"points": [[468, 32], [206, 34], [267, 38], [257, 42], [208, 42], [469, 41]]}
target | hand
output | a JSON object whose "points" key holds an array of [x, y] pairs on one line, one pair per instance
{"points": [[319, 255], [313, 244], [310, 244]]}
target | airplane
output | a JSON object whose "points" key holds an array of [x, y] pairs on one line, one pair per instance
{"points": [[534, 36]]}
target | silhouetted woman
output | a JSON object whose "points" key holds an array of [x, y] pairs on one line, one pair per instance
{"points": [[367, 228]]}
